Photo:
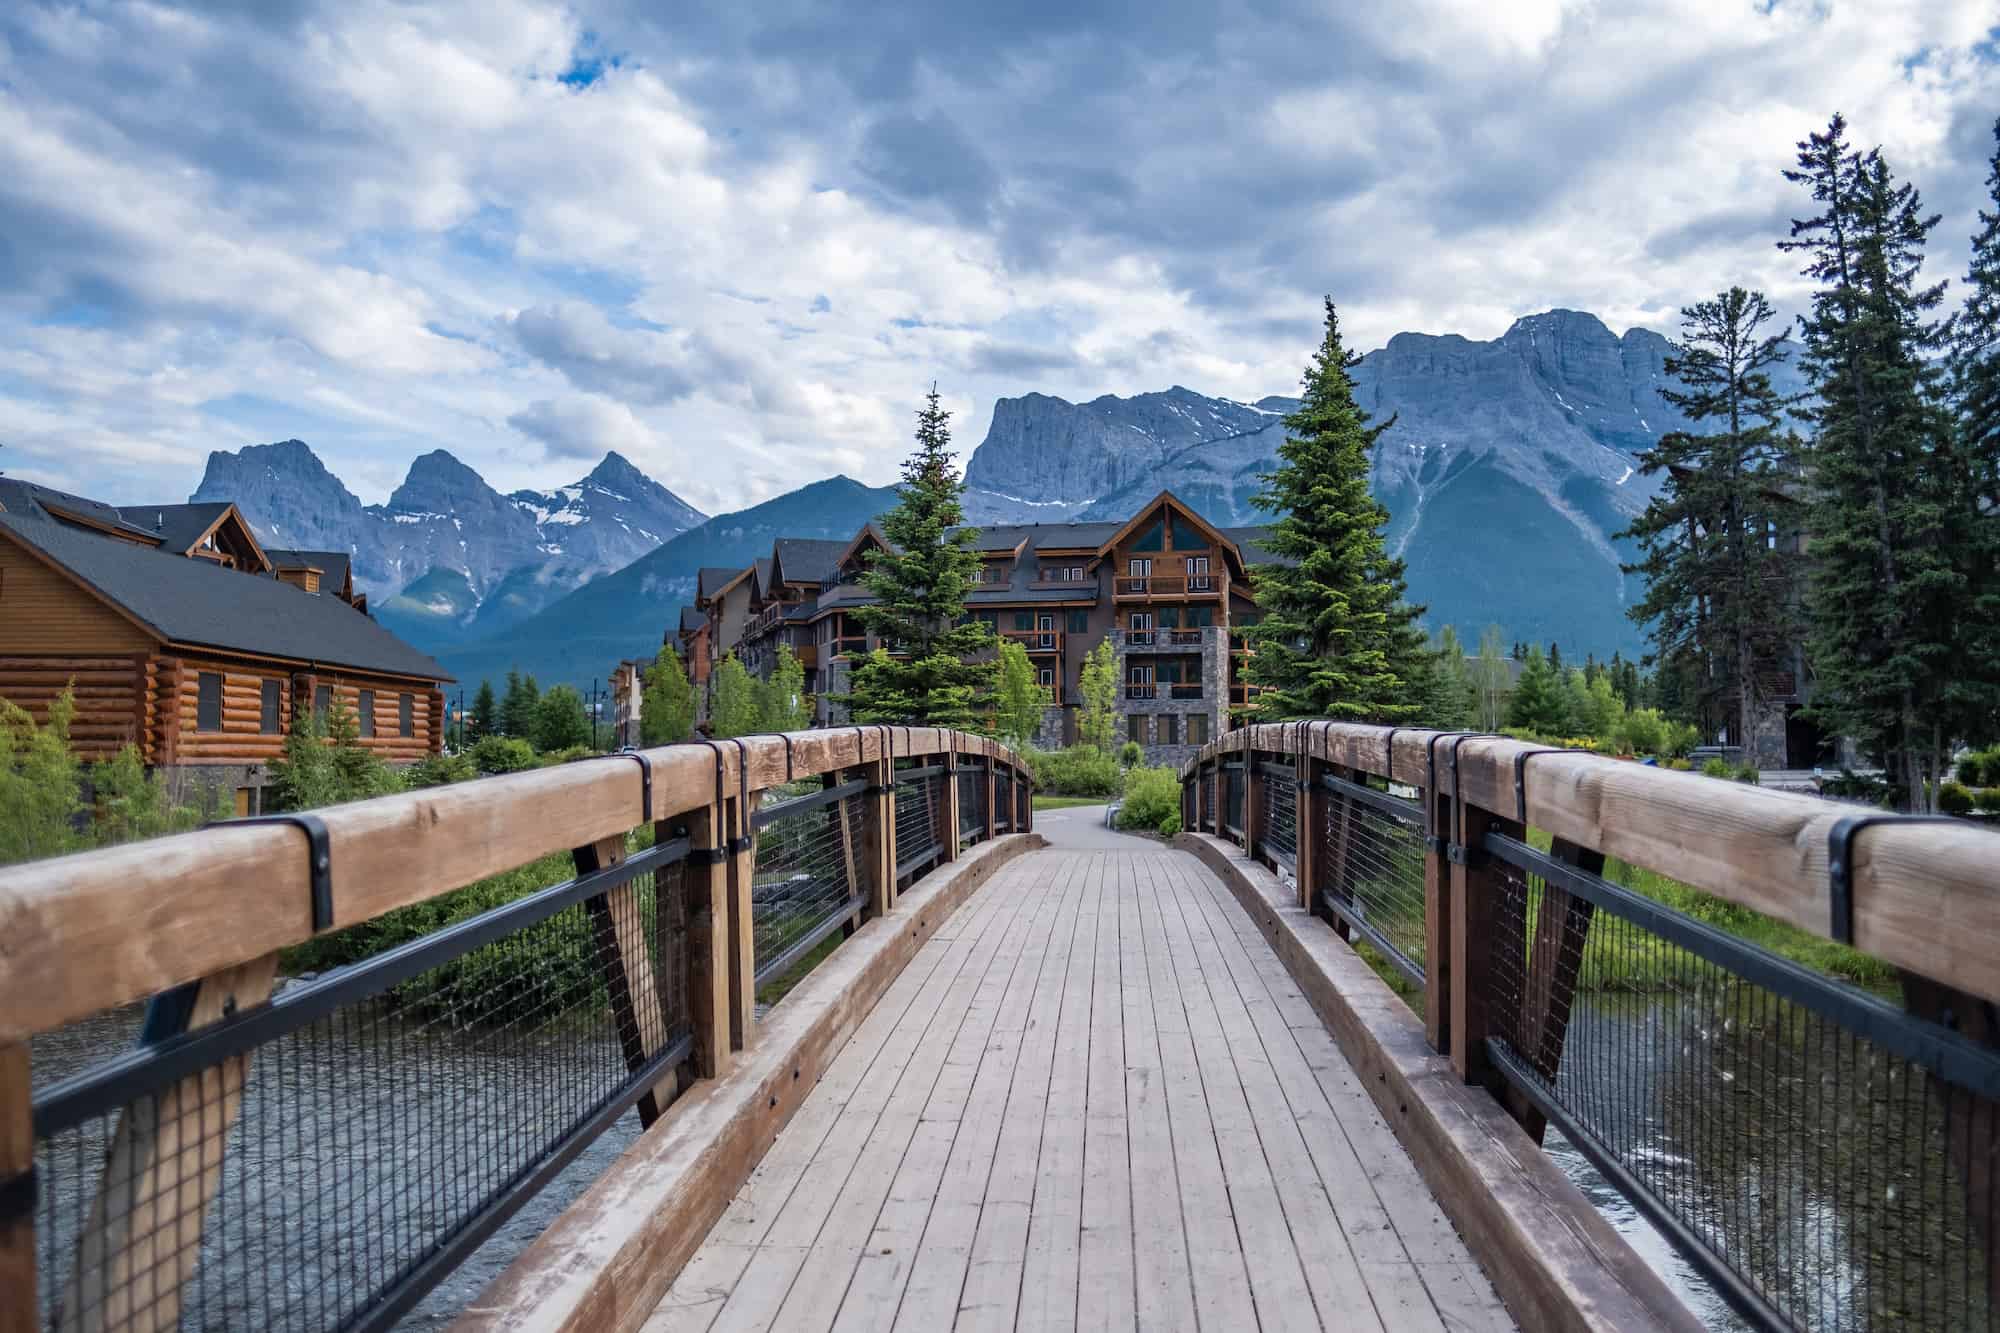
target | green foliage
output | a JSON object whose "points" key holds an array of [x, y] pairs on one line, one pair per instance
{"points": [[39, 803], [1097, 717], [1541, 700], [1987, 800], [732, 709], [1491, 681], [485, 719], [324, 763], [441, 770], [666, 704], [1980, 768], [1902, 609], [561, 720], [782, 701], [1019, 701], [1594, 706], [941, 677], [1131, 753], [1448, 697], [1717, 768], [1152, 799], [502, 754], [517, 710], [1080, 770], [1337, 638], [128, 803], [1954, 799]]}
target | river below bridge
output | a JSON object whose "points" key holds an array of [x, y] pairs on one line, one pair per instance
{"points": [[257, 1269]]}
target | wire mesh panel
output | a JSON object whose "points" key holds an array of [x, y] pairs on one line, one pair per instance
{"points": [[324, 1160], [1371, 869], [1232, 796], [1824, 1157], [1278, 814], [919, 839], [1003, 801], [1208, 806], [971, 805], [810, 875]]}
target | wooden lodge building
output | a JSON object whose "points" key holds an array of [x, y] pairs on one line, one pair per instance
{"points": [[1169, 590], [180, 634]]}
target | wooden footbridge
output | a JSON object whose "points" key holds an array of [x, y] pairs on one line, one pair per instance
{"points": [[819, 1031]]}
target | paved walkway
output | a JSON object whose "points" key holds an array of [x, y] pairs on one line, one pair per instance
{"points": [[1093, 1100]]}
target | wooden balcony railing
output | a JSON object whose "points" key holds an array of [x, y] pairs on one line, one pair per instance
{"points": [[415, 1096], [1163, 638], [1196, 585], [1036, 640]]}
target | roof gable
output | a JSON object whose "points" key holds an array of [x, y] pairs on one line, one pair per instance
{"points": [[1220, 539]]}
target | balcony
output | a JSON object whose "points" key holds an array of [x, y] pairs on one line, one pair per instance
{"points": [[852, 646], [1035, 640], [1127, 589], [1163, 640], [1164, 690]]}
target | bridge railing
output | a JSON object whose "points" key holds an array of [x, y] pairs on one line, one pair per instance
{"points": [[322, 1151], [1588, 936]]}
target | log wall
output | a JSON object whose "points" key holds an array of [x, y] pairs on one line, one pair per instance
{"points": [[111, 694], [42, 613]]}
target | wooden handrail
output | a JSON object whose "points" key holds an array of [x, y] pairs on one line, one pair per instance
{"points": [[1926, 897], [93, 930]]}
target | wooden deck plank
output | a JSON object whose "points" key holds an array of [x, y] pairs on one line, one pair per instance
{"points": [[1096, 1102]]}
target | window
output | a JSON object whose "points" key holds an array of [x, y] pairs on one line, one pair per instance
{"points": [[1170, 728], [1140, 620], [1199, 617], [1024, 620], [208, 701], [406, 715], [1197, 564], [1170, 617], [1141, 569], [1187, 537], [1135, 727], [1197, 728], [1079, 622], [1152, 536], [268, 720], [1045, 676], [322, 701], [367, 714]]}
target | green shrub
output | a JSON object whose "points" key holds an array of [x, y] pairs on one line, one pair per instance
{"points": [[1972, 770], [439, 770], [1954, 799], [1717, 768], [564, 756], [1987, 801], [1748, 773], [1170, 825], [1152, 797], [1131, 754], [502, 754], [1080, 770]]}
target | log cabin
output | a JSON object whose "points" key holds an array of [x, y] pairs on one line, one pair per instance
{"points": [[178, 633]]}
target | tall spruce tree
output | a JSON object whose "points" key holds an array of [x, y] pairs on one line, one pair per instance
{"points": [[937, 670], [485, 713], [1720, 595], [1976, 388], [1884, 633], [1337, 638]]}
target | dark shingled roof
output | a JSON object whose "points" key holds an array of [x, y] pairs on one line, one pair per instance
{"points": [[332, 565], [807, 559], [760, 578], [691, 620], [710, 579], [199, 602], [29, 500], [177, 526], [1251, 542]]}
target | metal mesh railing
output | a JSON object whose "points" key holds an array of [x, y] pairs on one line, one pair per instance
{"points": [[809, 879], [971, 805], [1371, 869], [1232, 799], [919, 837], [1823, 1157], [325, 1160], [1003, 802], [1278, 814], [1208, 785]]}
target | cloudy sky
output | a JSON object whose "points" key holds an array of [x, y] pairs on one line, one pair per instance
{"points": [[738, 245]]}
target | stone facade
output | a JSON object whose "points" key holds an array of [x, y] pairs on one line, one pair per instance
{"points": [[1162, 721]]}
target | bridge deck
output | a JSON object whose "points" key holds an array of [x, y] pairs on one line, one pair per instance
{"points": [[1093, 1100]]}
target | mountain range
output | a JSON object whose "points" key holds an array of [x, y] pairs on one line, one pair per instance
{"points": [[1507, 466], [449, 559]]}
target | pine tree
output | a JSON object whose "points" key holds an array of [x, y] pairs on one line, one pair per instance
{"points": [[1019, 699], [561, 720], [733, 711], [1541, 701], [666, 706], [1884, 635], [1720, 595], [1448, 694], [1337, 638], [517, 706], [1975, 363], [941, 674], [485, 719], [782, 702]]}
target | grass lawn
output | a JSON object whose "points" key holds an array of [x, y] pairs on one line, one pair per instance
{"points": [[1065, 802]]}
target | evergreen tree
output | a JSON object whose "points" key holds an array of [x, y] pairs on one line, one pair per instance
{"points": [[782, 702], [1097, 718], [1449, 697], [1976, 388], [940, 675], [1541, 701], [1019, 699], [561, 720], [666, 705], [1555, 655], [324, 763], [485, 720], [1885, 580], [1337, 638], [517, 706], [40, 799], [1719, 593], [733, 710]]}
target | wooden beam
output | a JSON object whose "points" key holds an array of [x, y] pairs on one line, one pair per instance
{"points": [[18, 1310], [742, 869], [618, 933], [142, 1237], [1475, 894], [1439, 978], [1554, 960], [705, 890]]}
